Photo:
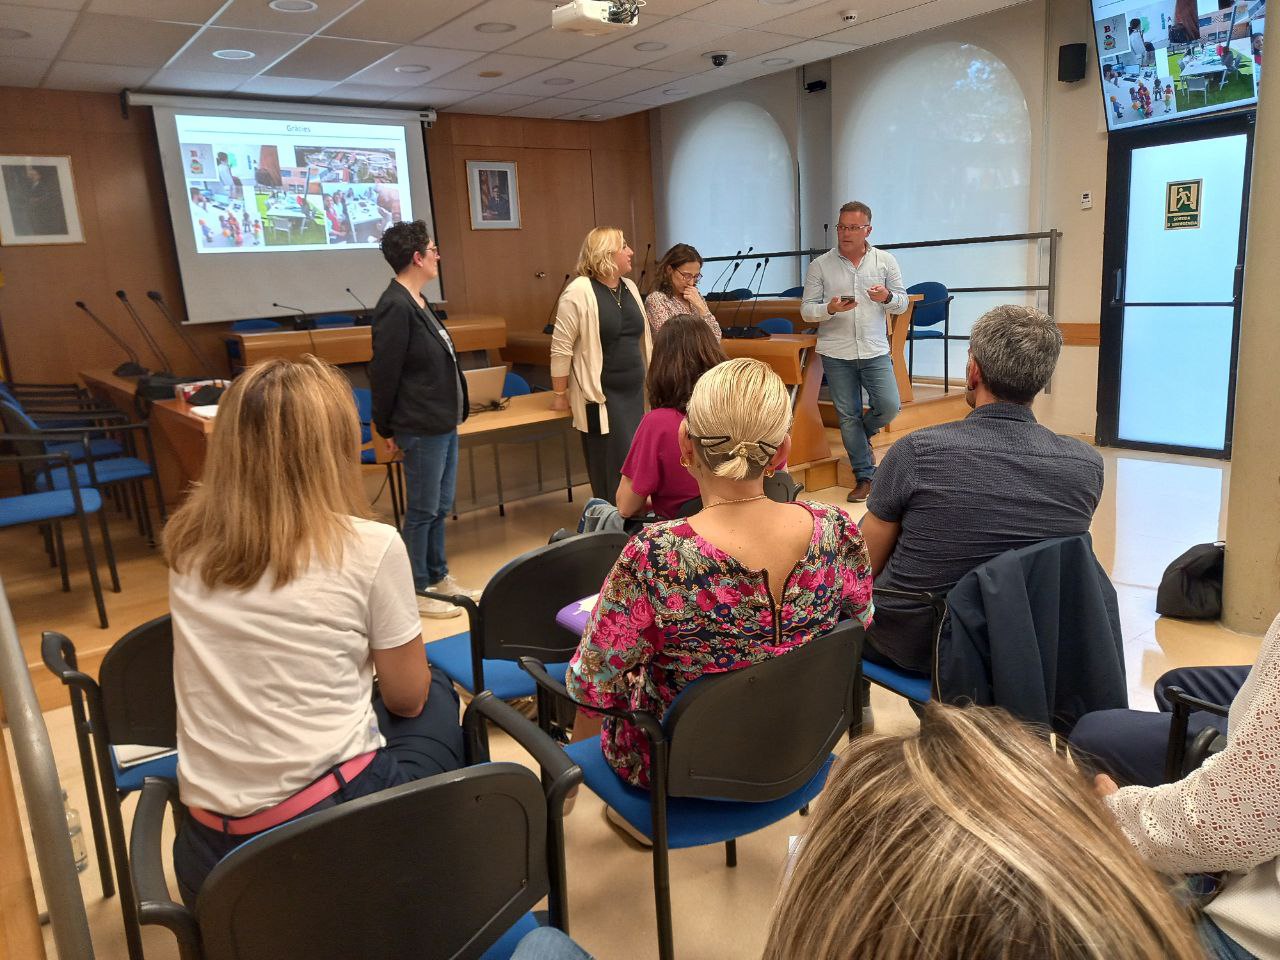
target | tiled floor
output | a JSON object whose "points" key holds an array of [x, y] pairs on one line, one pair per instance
{"points": [[1154, 507]]}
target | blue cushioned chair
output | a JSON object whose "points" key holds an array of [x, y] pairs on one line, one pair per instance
{"points": [[732, 755], [776, 325], [331, 320], [516, 616], [369, 453], [934, 309], [132, 703], [50, 509], [235, 359], [792, 292], [450, 866]]}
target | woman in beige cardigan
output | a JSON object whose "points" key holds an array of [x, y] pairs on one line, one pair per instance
{"points": [[599, 351]]}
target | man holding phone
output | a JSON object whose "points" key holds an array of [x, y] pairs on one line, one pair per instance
{"points": [[848, 294]]}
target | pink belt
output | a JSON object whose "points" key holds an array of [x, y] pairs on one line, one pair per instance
{"points": [[290, 807]]}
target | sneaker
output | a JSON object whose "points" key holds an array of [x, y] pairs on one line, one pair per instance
{"points": [[453, 588], [860, 492], [437, 609], [629, 833]]}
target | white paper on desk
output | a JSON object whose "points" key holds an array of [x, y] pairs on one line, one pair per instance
{"points": [[208, 411], [587, 604], [130, 755]]}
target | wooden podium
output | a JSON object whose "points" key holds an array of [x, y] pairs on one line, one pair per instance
{"points": [[340, 345], [794, 357]]}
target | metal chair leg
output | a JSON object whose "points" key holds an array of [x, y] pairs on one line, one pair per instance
{"points": [[731, 853], [85, 749], [92, 562], [497, 472], [61, 549], [946, 350], [110, 550], [568, 469]]}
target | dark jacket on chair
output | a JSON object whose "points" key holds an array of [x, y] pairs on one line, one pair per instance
{"points": [[414, 377], [1036, 631]]}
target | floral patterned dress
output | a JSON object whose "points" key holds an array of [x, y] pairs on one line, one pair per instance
{"points": [[675, 607]]}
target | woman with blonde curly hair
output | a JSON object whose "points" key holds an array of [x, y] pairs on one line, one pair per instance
{"points": [[599, 350]]}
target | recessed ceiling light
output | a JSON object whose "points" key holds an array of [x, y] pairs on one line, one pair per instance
{"points": [[591, 116], [293, 6], [777, 61], [650, 45], [558, 81], [495, 27], [673, 92], [13, 33], [420, 68], [234, 54], [489, 74]]}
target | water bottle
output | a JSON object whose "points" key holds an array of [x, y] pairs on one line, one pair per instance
{"points": [[76, 833]]}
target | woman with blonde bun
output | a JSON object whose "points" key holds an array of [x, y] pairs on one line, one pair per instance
{"points": [[967, 840], [741, 581]]}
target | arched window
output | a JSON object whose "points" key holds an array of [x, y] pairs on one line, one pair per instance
{"points": [[731, 184]]}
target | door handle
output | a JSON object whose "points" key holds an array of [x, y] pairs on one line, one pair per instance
{"points": [[541, 274], [1237, 288], [1117, 297]]}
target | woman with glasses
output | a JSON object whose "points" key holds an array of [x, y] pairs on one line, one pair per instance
{"points": [[678, 272]]}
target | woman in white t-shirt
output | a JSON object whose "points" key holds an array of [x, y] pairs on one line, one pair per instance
{"points": [[286, 601]]}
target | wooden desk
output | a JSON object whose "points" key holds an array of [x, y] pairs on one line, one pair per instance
{"points": [[340, 345], [533, 410], [178, 435], [727, 311]]}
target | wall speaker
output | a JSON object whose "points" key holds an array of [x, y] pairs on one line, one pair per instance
{"points": [[1071, 57]]}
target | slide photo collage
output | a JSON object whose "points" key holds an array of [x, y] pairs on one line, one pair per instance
{"points": [[1177, 57], [253, 192]]}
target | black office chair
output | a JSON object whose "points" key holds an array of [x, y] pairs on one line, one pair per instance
{"points": [[516, 616], [132, 703], [445, 867], [732, 755], [1180, 756]]}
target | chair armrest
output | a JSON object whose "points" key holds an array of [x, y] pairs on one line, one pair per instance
{"points": [[79, 431], [559, 773], [1176, 748], [59, 655], [146, 864], [1176, 695], [456, 599], [63, 459], [550, 686]]}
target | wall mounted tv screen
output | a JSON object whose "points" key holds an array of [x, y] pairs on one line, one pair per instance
{"points": [[1177, 58]]}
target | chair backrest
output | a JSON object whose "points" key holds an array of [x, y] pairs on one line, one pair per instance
{"points": [[933, 309], [792, 292], [437, 868], [136, 678], [335, 320], [515, 385], [740, 736], [780, 488], [776, 325], [364, 403], [519, 605], [259, 325], [17, 423]]}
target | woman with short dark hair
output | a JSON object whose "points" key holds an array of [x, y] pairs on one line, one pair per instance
{"points": [[677, 293]]}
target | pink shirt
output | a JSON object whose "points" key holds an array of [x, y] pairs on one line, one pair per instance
{"points": [[653, 463]]}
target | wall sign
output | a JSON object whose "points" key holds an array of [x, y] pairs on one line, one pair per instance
{"points": [[1182, 205]]}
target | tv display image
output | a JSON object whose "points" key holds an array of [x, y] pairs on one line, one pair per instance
{"points": [[1172, 59]]}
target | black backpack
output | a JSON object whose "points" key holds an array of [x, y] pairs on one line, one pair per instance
{"points": [[1192, 585]]}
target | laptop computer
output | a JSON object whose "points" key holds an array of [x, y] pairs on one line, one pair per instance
{"points": [[484, 386]]}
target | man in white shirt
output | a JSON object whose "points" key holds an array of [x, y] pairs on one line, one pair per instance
{"points": [[848, 293]]}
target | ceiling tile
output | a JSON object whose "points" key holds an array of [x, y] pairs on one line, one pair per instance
{"points": [[269, 47], [492, 103], [48, 29], [124, 41], [195, 81], [526, 16], [328, 58], [283, 87], [628, 82], [891, 24], [668, 8], [554, 107], [182, 11], [258, 15], [578, 72], [741, 45], [608, 111], [824, 18], [96, 77], [747, 13], [677, 35], [430, 97], [396, 21], [22, 71], [440, 61], [49, 4], [369, 93], [561, 45], [508, 67]]}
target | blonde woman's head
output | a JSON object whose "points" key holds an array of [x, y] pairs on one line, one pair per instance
{"points": [[281, 480], [968, 840], [605, 255], [738, 418]]}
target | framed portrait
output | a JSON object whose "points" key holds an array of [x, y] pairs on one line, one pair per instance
{"points": [[38, 202], [495, 197]]}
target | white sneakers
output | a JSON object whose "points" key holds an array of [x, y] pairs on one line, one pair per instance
{"points": [[440, 609], [454, 588]]}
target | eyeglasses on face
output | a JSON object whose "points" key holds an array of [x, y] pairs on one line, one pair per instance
{"points": [[690, 277], [851, 228]]}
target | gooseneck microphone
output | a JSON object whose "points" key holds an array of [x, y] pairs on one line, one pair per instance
{"points": [[130, 368], [755, 300], [302, 314], [155, 297], [750, 281], [356, 299], [550, 328], [726, 269], [165, 364]]}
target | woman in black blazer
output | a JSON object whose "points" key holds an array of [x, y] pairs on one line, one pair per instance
{"points": [[419, 398]]}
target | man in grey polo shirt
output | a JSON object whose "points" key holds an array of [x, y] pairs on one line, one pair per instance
{"points": [[951, 497], [847, 292]]}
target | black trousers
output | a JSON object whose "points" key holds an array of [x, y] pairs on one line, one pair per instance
{"points": [[1130, 745]]}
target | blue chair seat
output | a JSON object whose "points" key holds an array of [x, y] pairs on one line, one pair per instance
{"points": [[369, 456], [54, 505], [506, 944], [776, 325], [102, 447], [108, 471], [916, 334], [452, 656], [129, 779], [913, 686], [691, 822]]}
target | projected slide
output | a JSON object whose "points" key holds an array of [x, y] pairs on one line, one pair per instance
{"points": [[276, 185], [1172, 59]]}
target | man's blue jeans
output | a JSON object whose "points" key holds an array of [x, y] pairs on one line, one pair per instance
{"points": [[430, 479], [846, 379]]}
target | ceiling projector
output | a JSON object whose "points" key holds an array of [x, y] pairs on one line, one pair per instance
{"points": [[595, 18]]}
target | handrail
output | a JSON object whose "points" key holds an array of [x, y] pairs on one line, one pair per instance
{"points": [[42, 792]]}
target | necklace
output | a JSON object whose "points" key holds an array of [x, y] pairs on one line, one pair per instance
{"points": [[616, 294], [708, 506]]}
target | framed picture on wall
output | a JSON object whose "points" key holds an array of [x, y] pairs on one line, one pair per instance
{"points": [[495, 197], [38, 202]]}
